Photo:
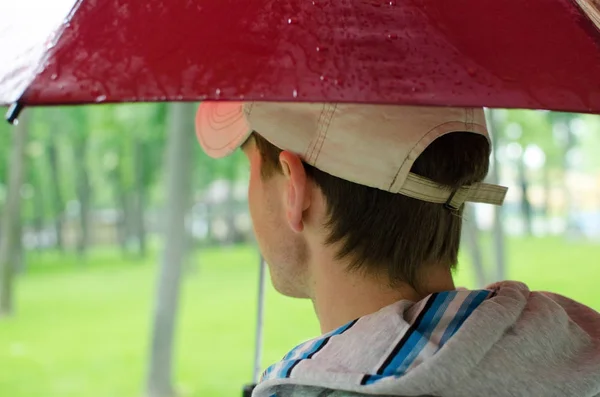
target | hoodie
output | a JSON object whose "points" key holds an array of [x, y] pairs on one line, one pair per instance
{"points": [[504, 340]]}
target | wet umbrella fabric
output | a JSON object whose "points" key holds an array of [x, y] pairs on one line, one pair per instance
{"points": [[535, 54]]}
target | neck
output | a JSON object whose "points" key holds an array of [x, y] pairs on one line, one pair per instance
{"points": [[340, 296]]}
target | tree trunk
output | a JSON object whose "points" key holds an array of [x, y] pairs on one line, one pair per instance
{"points": [[568, 196], [19, 262], [547, 192], [140, 197], [83, 195], [38, 210], [232, 237], [547, 200], [120, 198], [470, 236], [525, 203], [58, 204], [498, 231], [178, 183], [10, 244]]}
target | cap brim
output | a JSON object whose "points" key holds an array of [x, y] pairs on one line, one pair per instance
{"points": [[221, 127]]}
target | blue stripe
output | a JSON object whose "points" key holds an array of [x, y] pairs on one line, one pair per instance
{"points": [[293, 358], [428, 318], [425, 330], [295, 350], [471, 303], [291, 355], [287, 363], [418, 339]]}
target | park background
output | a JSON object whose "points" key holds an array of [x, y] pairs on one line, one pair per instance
{"points": [[95, 267]]}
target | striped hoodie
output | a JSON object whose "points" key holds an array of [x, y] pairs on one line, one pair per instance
{"points": [[504, 340]]}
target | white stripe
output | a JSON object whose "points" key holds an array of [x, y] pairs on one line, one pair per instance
{"points": [[278, 367], [409, 316], [433, 343]]}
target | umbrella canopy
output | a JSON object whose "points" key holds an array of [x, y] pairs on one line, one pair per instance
{"points": [[528, 54]]}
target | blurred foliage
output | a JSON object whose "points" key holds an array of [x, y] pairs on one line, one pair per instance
{"points": [[115, 154], [92, 158]]}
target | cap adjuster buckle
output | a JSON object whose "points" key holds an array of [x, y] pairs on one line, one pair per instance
{"points": [[448, 204]]}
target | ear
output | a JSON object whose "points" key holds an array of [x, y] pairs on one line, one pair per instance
{"points": [[297, 197]]}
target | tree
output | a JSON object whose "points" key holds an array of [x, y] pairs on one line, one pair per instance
{"points": [[588, 135], [520, 131], [83, 188], [58, 205], [471, 239], [75, 122], [11, 237], [563, 134], [148, 144], [128, 139], [494, 178], [37, 189], [178, 188], [46, 169]]}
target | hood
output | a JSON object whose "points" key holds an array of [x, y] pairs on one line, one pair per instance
{"points": [[504, 340]]}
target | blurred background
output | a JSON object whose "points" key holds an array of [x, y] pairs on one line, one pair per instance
{"points": [[129, 268]]}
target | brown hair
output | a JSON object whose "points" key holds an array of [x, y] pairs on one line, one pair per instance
{"points": [[387, 233]]}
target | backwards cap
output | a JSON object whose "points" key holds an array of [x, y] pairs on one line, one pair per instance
{"points": [[372, 145]]}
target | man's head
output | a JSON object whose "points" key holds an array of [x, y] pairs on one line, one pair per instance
{"points": [[351, 177]]}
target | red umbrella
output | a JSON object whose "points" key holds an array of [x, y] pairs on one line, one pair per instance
{"points": [[510, 53]]}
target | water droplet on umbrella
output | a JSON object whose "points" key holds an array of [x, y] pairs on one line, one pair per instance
{"points": [[218, 92], [392, 36], [54, 76], [321, 48], [292, 21], [295, 94], [392, 3], [100, 98], [322, 78]]}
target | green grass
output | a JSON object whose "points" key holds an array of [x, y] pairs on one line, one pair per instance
{"points": [[83, 329]]}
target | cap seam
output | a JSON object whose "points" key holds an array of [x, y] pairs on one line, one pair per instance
{"points": [[327, 123], [467, 118], [471, 118], [311, 148], [249, 106]]}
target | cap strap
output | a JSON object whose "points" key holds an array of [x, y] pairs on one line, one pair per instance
{"points": [[425, 189]]}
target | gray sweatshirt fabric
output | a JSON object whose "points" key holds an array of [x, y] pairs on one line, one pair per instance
{"points": [[504, 340]]}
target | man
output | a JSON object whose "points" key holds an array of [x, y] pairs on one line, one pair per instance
{"points": [[358, 208]]}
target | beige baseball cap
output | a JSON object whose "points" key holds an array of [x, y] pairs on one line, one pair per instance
{"points": [[372, 145]]}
